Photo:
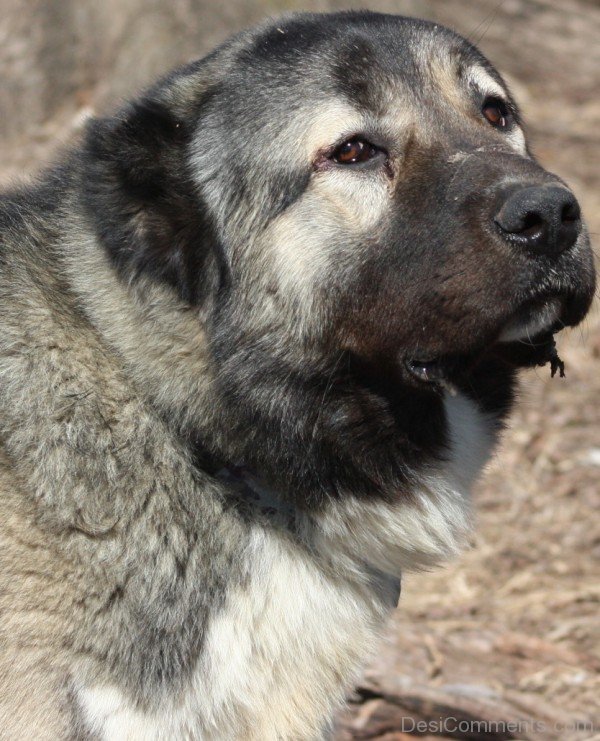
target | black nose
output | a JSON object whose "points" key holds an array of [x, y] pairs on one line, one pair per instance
{"points": [[544, 219]]}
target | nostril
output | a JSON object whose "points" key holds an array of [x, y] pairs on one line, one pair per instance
{"points": [[570, 212], [533, 225]]}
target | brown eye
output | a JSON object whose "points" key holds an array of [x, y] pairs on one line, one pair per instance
{"points": [[496, 112], [354, 151]]}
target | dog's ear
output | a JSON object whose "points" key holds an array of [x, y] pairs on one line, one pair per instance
{"points": [[140, 194]]}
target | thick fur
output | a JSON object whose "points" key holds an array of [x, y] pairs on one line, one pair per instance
{"points": [[199, 288]]}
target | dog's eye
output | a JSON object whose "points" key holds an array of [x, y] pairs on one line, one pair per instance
{"points": [[496, 112], [354, 151]]}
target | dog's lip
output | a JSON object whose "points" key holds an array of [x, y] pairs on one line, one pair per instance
{"points": [[538, 316], [533, 324], [433, 372], [428, 371]]}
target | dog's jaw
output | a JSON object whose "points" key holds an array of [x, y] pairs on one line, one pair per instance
{"points": [[527, 324]]}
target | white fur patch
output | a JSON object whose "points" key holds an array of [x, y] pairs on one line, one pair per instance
{"points": [[472, 436], [108, 713], [287, 644], [485, 83], [276, 661], [327, 124]]}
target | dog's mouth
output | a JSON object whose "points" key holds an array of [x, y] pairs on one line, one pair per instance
{"points": [[427, 371], [442, 373], [526, 339]]}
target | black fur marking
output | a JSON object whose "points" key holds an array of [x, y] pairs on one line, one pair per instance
{"points": [[358, 75], [556, 364], [142, 201], [322, 433]]}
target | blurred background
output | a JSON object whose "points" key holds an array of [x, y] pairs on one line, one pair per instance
{"points": [[511, 632]]}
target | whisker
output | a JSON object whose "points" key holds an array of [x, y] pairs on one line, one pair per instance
{"points": [[489, 21]]}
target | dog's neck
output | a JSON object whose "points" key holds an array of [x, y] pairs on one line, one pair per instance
{"points": [[255, 496]]}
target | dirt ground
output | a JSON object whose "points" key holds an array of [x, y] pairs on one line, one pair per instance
{"points": [[504, 643]]}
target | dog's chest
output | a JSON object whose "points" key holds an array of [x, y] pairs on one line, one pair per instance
{"points": [[283, 649], [276, 661]]}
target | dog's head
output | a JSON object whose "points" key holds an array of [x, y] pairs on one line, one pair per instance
{"points": [[348, 193], [366, 182]]}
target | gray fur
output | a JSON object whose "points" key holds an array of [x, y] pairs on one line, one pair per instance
{"points": [[187, 292]]}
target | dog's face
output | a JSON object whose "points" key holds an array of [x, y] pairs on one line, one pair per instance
{"points": [[389, 197], [350, 202]]}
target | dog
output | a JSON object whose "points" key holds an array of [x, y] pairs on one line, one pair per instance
{"points": [[259, 333]]}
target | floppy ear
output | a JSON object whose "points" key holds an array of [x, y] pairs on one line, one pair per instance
{"points": [[143, 202]]}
